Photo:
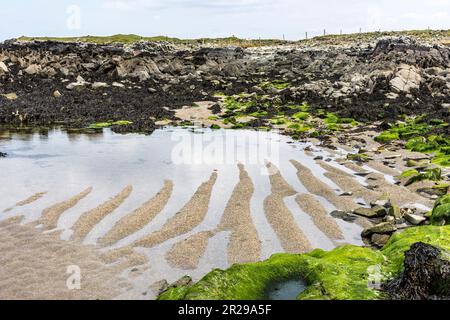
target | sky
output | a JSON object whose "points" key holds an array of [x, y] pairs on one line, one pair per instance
{"points": [[218, 18]]}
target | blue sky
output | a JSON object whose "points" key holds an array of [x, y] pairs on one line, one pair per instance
{"points": [[217, 18]]}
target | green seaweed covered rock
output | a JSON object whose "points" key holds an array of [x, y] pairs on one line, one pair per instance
{"points": [[441, 211], [341, 274]]}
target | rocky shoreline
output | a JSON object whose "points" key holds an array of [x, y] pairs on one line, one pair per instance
{"points": [[387, 98], [76, 85]]}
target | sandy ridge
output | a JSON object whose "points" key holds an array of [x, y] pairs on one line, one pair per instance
{"points": [[139, 218]]}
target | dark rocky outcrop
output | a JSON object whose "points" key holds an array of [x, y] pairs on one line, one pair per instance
{"points": [[426, 275], [366, 81]]}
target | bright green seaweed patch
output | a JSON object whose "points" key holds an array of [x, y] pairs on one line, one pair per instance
{"points": [[101, 125], [418, 135], [441, 211], [404, 130], [433, 174], [342, 274], [277, 84]]}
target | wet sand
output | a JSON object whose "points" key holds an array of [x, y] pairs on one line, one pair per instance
{"points": [[310, 205], [184, 221], [317, 187], [349, 184], [89, 219], [34, 266], [50, 216], [244, 244], [280, 217], [27, 201], [138, 219], [187, 253]]}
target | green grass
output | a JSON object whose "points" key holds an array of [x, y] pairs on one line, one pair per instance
{"points": [[132, 38]]}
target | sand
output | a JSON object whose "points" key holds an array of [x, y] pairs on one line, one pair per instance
{"points": [[189, 217], [50, 216], [27, 201], [89, 219], [280, 217], [244, 245], [348, 183], [327, 224], [34, 266], [186, 254], [317, 187], [139, 218]]}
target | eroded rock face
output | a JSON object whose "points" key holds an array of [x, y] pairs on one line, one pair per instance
{"points": [[426, 275]]}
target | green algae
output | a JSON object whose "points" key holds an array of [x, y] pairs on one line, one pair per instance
{"points": [[341, 274], [419, 137], [358, 157], [441, 211], [101, 125], [433, 174]]}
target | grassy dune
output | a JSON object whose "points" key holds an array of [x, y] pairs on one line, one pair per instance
{"points": [[442, 36]]}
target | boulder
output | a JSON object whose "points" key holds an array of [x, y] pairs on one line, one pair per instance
{"points": [[32, 69], [405, 79], [426, 275], [415, 219], [382, 228], [380, 240], [3, 68], [375, 212], [394, 211]]}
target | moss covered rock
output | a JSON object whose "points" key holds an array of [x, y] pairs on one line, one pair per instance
{"points": [[441, 211], [341, 274]]}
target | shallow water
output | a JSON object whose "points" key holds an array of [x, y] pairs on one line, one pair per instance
{"points": [[286, 290], [63, 165]]}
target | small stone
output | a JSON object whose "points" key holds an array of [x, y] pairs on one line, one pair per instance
{"points": [[343, 215], [184, 281], [32, 69], [11, 96], [159, 287], [318, 158], [346, 194], [152, 90], [118, 85], [394, 211], [386, 203], [414, 219], [362, 174], [99, 85], [374, 212], [57, 94], [380, 240], [3, 68], [382, 228]]}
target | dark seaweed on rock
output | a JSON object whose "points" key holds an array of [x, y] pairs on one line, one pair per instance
{"points": [[367, 81], [426, 275]]}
